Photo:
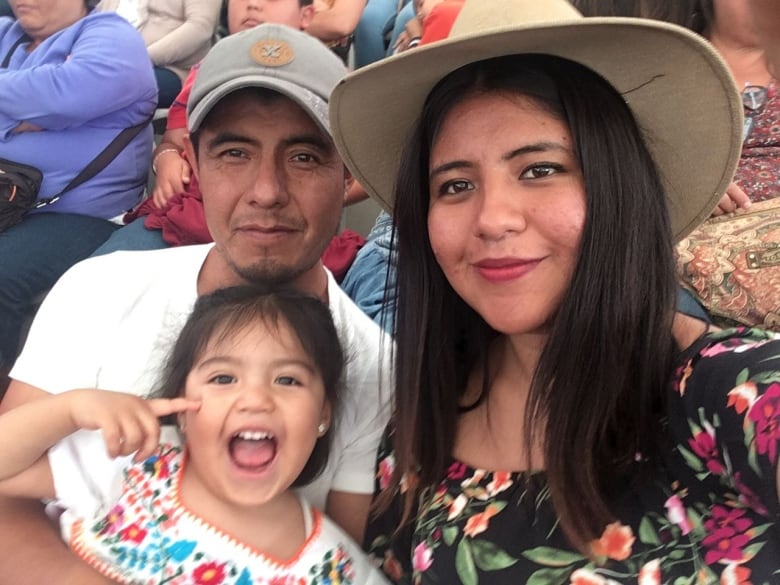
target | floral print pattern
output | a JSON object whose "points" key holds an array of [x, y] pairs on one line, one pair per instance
{"points": [[149, 538], [707, 513]]}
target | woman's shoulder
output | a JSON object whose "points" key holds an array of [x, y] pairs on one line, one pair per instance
{"points": [[722, 357]]}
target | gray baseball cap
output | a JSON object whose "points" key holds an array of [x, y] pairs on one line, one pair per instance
{"points": [[272, 56]]}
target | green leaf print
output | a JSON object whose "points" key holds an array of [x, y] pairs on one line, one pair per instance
{"points": [[550, 577], [742, 377], [753, 549], [647, 533], [552, 557], [449, 534], [488, 557], [464, 564], [691, 459]]}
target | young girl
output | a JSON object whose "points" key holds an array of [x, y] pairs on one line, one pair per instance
{"points": [[253, 383], [556, 421]]}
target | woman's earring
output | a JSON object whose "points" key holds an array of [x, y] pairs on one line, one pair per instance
{"points": [[322, 428]]}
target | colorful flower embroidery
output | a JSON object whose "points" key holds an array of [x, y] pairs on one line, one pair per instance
{"points": [[209, 574]]}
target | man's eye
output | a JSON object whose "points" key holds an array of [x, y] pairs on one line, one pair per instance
{"points": [[222, 379], [233, 153], [304, 157]]}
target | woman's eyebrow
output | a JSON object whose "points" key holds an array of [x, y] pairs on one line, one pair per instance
{"points": [[545, 146]]}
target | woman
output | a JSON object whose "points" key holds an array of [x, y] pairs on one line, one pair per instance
{"points": [[74, 80], [730, 28], [556, 421], [177, 33]]}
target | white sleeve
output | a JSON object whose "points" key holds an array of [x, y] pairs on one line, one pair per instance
{"points": [[365, 412], [86, 480], [63, 344]]}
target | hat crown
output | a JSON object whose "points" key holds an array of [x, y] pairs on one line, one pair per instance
{"points": [[490, 15], [271, 56]]}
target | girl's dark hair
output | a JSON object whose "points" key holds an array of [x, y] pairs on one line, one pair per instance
{"points": [[223, 313], [599, 385]]}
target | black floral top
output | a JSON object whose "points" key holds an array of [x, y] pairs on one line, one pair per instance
{"points": [[708, 514]]}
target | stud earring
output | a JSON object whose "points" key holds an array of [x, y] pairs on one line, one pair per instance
{"points": [[322, 428]]}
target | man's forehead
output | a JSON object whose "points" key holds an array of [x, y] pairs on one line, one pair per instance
{"points": [[263, 105]]}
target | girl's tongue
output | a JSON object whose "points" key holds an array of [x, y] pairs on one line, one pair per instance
{"points": [[252, 453]]}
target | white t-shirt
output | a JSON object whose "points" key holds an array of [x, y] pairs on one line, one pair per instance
{"points": [[126, 520], [110, 322]]}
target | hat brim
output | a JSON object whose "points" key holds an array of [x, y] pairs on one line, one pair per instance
{"points": [[312, 104], [679, 89]]}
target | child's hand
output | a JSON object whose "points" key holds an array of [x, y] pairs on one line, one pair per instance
{"points": [[129, 423]]}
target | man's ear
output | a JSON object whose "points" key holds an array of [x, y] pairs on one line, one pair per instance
{"points": [[307, 15], [192, 158], [349, 182]]}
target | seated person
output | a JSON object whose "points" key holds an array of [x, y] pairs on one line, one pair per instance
{"points": [[334, 22], [173, 214], [177, 33], [73, 79]]}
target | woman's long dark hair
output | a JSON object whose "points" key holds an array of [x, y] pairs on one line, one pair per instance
{"points": [[599, 385]]}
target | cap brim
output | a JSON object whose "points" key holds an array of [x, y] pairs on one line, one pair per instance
{"points": [[312, 104], [680, 90]]}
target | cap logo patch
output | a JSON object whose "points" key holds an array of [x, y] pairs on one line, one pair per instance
{"points": [[272, 53]]}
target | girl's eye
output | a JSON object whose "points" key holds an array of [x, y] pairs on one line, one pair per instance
{"points": [[287, 381], [539, 171], [222, 379], [455, 187]]}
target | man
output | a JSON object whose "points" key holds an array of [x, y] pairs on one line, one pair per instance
{"points": [[273, 185], [173, 214]]}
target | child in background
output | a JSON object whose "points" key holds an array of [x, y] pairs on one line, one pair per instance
{"points": [[253, 382]]}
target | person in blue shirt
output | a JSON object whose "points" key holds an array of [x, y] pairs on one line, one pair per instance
{"points": [[72, 80]]}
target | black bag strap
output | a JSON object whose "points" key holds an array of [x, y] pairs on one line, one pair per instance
{"points": [[22, 39], [101, 161]]}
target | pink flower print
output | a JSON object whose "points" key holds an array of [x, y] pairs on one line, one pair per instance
{"points": [[765, 413], [650, 573], [747, 497], [726, 535], [742, 397], [474, 479], [615, 542], [675, 512], [133, 533], [478, 523], [423, 557], [385, 471], [114, 520], [682, 374], [457, 505], [456, 471], [735, 574], [586, 577], [501, 481], [704, 445]]}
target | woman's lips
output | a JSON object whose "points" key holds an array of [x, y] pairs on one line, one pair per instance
{"points": [[505, 269]]}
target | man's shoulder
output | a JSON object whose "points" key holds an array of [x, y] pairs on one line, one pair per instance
{"points": [[122, 268], [350, 320]]}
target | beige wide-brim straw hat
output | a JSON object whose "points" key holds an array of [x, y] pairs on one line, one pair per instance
{"points": [[679, 89]]}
